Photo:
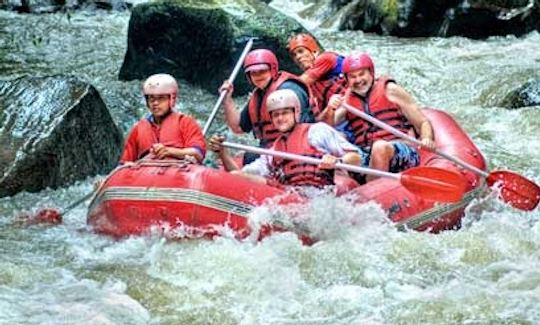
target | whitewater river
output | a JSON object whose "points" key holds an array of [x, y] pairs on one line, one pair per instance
{"points": [[486, 273]]}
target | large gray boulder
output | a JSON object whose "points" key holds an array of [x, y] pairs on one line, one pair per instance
{"points": [[524, 96], [200, 41], [53, 131]]}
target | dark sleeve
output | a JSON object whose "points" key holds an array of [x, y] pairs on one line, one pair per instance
{"points": [[245, 121], [306, 115]]}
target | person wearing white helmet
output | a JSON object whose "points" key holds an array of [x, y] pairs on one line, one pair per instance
{"points": [[164, 133], [314, 140]]}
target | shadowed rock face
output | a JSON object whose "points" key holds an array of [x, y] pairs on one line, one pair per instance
{"points": [[484, 18], [526, 95], [53, 131], [411, 18], [200, 41]]}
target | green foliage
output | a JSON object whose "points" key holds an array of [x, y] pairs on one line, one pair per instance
{"points": [[390, 9]]}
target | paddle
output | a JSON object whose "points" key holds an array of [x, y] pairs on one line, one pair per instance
{"points": [[429, 182], [231, 79], [54, 216], [516, 190]]}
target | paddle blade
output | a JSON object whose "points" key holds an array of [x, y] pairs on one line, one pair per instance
{"points": [[50, 216], [43, 216], [434, 184], [516, 190]]}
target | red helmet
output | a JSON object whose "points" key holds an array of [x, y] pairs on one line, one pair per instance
{"points": [[304, 40], [161, 84], [261, 59], [358, 61]]}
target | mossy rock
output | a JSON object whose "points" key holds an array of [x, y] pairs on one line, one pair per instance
{"points": [[200, 41]]}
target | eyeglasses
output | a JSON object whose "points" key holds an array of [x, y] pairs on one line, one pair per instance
{"points": [[158, 98]]}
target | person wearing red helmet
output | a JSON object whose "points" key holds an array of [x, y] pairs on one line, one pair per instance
{"points": [[164, 133], [309, 139], [322, 72], [262, 71], [389, 102]]}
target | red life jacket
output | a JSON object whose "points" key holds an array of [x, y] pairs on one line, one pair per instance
{"points": [[169, 133], [380, 107], [260, 118], [333, 83], [296, 173]]}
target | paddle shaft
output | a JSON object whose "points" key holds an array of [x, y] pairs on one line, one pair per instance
{"points": [[402, 135], [76, 203], [231, 79], [310, 160]]}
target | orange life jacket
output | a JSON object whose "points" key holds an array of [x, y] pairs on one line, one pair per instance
{"points": [[296, 173], [380, 107], [259, 116]]}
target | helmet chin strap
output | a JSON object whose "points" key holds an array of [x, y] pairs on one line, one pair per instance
{"points": [[253, 84], [268, 84], [361, 95], [172, 101], [289, 131], [367, 92]]}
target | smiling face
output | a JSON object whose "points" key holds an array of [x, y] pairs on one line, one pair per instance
{"points": [[159, 105], [260, 78], [303, 57], [360, 81], [283, 119]]}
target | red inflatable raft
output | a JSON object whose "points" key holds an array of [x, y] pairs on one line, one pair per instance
{"points": [[200, 200]]}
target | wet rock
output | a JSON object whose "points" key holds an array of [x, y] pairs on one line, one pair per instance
{"points": [[361, 15], [480, 19], [410, 18], [389, 17], [53, 131], [421, 18], [50, 6], [200, 41], [323, 11], [524, 96]]}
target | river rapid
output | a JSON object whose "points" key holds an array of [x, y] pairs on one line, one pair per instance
{"points": [[486, 273]]}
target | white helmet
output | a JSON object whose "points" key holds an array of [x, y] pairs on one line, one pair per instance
{"points": [[283, 98], [161, 84]]}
